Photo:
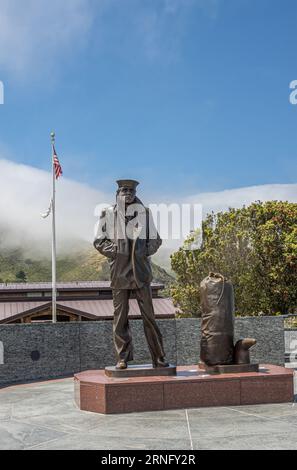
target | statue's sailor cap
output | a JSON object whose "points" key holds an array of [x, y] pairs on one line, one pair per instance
{"points": [[127, 184]]}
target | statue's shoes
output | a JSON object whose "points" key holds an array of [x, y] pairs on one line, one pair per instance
{"points": [[160, 362], [121, 364]]}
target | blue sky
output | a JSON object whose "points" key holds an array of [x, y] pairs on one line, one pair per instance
{"points": [[187, 96]]}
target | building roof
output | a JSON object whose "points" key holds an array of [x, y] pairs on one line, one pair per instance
{"points": [[92, 309], [14, 310], [33, 286]]}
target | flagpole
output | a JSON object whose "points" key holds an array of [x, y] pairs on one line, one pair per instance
{"points": [[54, 288]]}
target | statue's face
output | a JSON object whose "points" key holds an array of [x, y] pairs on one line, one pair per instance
{"points": [[128, 193]]}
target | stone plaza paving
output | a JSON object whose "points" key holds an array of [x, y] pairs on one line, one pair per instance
{"points": [[44, 416]]}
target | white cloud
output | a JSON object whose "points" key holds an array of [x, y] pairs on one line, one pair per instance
{"points": [[25, 193], [35, 33], [161, 26], [222, 200]]}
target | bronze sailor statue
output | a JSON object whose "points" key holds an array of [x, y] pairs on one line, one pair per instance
{"points": [[127, 236]]}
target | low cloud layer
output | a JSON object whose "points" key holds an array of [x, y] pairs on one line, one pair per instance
{"points": [[25, 195], [222, 200]]}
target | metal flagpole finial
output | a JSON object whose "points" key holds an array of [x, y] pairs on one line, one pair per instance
{"points": [[53, 135]]}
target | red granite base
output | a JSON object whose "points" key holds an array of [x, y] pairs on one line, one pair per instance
{"points": [[191, 387]]}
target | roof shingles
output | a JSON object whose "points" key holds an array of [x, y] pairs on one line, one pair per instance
{"points": [[93, 309]]}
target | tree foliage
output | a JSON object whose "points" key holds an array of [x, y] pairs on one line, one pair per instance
{"points": [[21, 276], [255, 247]]}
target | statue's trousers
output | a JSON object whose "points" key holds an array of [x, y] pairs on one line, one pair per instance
{"points": [[121, 331]]}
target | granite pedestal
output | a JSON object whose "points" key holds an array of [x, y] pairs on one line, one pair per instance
{"points": [[145, 370], [190, 388], [229, 368]]}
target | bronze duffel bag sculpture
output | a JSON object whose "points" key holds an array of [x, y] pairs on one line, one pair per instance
{"points": [[217, 324]]}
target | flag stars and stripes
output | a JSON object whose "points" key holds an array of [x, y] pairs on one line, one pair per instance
{"points": [[56, 163]]}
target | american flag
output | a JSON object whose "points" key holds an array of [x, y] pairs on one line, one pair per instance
{"points": [[56, 163]]}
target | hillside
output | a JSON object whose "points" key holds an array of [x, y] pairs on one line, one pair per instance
{"points": [[81, 264]]}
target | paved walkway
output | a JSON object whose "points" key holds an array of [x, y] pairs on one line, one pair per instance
{"points": [[44, 416]]}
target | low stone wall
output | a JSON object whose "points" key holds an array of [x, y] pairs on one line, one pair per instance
{"points": [[43, 351], [268, 331]]}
